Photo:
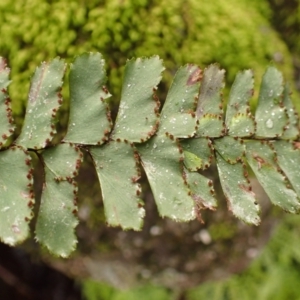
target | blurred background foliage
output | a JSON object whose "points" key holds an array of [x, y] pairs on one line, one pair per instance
{"points": [[273, 276], [238, 34], [285, 19]]}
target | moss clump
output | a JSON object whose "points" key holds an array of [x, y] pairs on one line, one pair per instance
{"points": [[233, 33]]}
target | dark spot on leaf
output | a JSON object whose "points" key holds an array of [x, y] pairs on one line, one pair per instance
{"points": [[195, 77], [30, 204], [104, 88], [296, 145], [247, 189], [15, 228], [135, 179], [106, 132], [260, 160]]}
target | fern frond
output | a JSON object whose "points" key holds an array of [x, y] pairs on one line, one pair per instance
{"points": [[172, 146]]}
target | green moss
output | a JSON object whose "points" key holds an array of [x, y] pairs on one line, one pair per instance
{"points": [[234, 33], [96, 290], [286, 19], [222, 231]]}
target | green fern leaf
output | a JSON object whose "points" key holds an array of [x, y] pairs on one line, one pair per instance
{"points": [[288, 156], [16, 195], [198, 153], [177, 116], [239, 119], [63, 160], [137, 118], [161, 160], [56, 219], [237, 190], [192, 162], [56, 222], [6, 120], [43, 102], [261, 159], [209, 109], [202, 190], [118, 174], [89, 120], [271, 116], [231, 149], [292, 129], [234, 179]]}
